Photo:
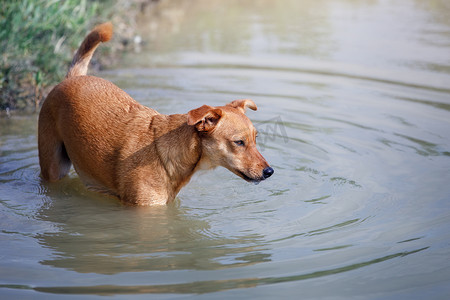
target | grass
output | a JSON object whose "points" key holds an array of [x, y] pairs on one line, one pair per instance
{"points": [[38, 39]]}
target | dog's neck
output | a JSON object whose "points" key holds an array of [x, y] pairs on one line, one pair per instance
{"points": [[179, 149]]}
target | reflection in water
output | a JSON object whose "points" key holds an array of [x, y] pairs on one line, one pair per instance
{"points": [[242, 27], [201, 287], [98, 235]]}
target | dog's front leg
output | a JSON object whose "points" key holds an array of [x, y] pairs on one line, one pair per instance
{"points": [[142, 194], [144, 186]]}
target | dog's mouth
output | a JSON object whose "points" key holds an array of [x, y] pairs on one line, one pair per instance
{"points": [[249, 179]]}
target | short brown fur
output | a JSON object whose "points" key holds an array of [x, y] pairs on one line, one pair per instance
{"points": [[123, 148]]}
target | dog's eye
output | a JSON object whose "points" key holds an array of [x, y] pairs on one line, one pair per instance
{"points": [[239, 143]]}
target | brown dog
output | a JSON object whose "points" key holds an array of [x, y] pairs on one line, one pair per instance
{"points": [[123, 148]]}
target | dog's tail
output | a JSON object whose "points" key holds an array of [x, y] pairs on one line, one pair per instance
{"points": [[80, 62]]}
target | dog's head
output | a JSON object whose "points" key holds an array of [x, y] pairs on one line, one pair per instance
{"points": [[229, 139]]}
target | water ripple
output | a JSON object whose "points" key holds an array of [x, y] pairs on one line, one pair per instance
{"points": [[205, 286]]}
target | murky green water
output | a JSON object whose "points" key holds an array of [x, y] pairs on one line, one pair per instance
{"points": [[354, 115]]}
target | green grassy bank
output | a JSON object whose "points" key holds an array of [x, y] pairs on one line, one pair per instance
{"points": [[38, 39]]}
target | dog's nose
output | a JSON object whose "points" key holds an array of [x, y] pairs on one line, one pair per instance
{"points": [[267, 172]]}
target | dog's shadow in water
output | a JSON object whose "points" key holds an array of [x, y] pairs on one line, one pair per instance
{"points": [[97, 234]]}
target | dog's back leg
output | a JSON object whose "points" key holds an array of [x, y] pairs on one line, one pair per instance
{"points": [[53, 158]]}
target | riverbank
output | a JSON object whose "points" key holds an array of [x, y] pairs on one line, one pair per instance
{"points": [[38, 39]]}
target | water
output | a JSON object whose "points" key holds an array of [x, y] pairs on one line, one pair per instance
{"points": [[354, 115]]}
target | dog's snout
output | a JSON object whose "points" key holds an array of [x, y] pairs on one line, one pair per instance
{"points": [[267, 172]]}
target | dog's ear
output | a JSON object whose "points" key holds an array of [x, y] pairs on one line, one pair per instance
{"points": [[243, 104], [204, 118]]}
